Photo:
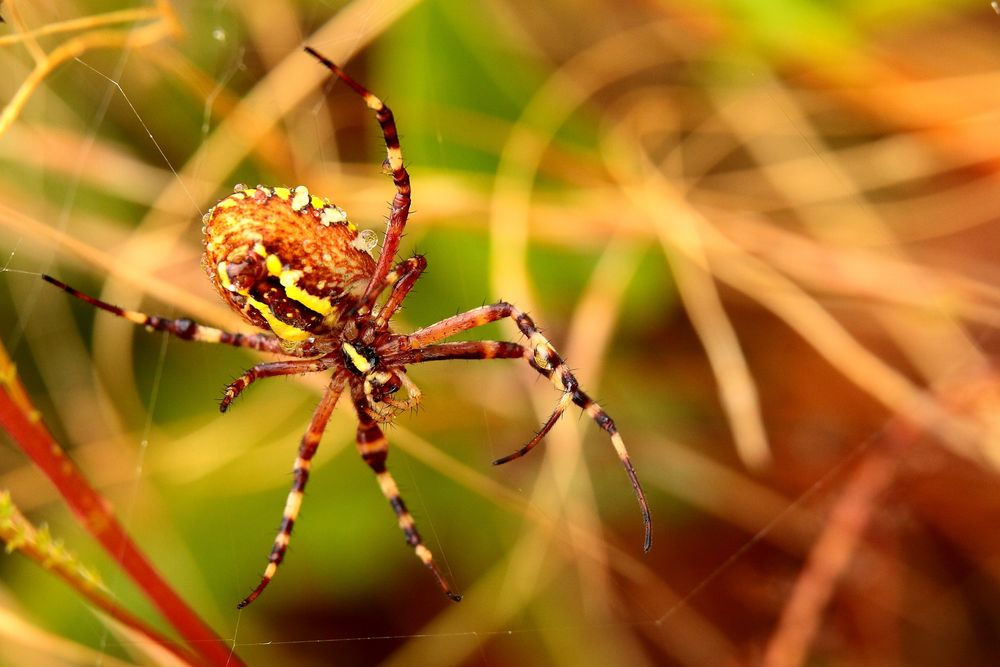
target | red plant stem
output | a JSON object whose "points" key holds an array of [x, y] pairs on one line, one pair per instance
{"points": [[24, 539], [22, 421]]}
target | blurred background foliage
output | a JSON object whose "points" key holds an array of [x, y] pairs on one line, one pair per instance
{"points": [[763, 233]]}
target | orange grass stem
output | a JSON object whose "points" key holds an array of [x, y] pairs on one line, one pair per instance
{"points": [[20, 419], [828, 561]]}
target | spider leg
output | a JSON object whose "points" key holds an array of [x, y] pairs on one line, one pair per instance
{"points": [[484, 349], [181, 328], [400, 177], [300, 475], [271, 369], [402, 278], [475, 349], [374, 449], [540, 354]]}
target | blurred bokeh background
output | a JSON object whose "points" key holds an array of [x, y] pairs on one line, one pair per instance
{"points": [[763, 233]]}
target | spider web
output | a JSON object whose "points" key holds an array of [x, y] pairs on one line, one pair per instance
{"points": [[546, 553]]}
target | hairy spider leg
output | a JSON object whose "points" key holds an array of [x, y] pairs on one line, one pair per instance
{"points": [[402, 278], [374, 449], [183, 328], [473, 349], [540, 354], [400, 177], [272, 369], [300, 475]]}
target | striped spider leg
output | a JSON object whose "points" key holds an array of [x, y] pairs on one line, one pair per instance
{"points": [[419, 347], [374, 449], [400, 210], [182, 328], [300, 475]]}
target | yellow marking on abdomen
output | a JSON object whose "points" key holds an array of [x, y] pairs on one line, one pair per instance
{"points": [[224, 277], [280, 329], [289, 280], [312, 302]]}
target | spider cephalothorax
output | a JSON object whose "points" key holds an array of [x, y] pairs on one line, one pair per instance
{"points": [[294, 266]]}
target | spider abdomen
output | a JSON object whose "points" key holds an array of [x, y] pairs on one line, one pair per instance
{"points": [[287, 261]]}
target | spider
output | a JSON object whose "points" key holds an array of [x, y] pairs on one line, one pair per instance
{"points": [[293, 265]]}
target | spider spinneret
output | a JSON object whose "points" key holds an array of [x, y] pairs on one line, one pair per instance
{"points": [[293, 265]]}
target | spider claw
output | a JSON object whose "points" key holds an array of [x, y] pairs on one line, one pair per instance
{"points": [[454, 597], [242, 604], [227, 399], [510, 457]]}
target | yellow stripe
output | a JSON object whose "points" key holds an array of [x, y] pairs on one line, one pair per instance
{"points": [[280, 329], [372, 447], [359, 361], [135, 317], [209, 335], [619, 444], [424, 554], [289, 280], [395, 158], [293, 504], [224, 277], [388, 485], [310, 301]]}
